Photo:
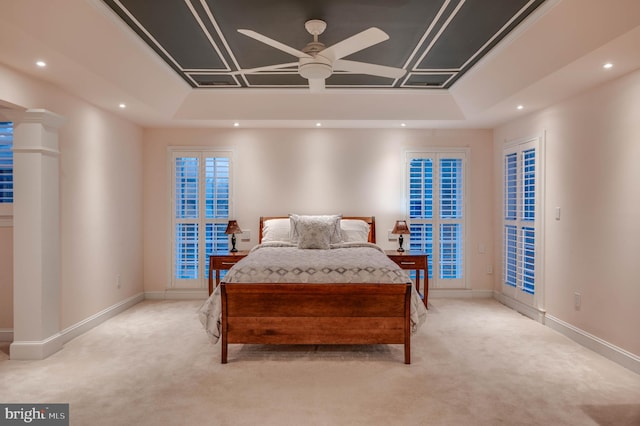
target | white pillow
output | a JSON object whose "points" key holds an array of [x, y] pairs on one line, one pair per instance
{"points": [[332, 226], [276, 230], [354, 230]]}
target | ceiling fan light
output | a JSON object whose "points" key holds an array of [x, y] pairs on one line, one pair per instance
{"points": [[315, 70]]}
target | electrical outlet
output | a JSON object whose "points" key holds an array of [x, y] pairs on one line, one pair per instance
{"points": [[118, 281], [577, 300]]}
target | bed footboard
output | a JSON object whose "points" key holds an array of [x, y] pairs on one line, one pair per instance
{"points": [[316, 314]]}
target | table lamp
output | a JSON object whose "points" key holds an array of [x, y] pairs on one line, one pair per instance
{"points": [[233, 229], [401, 228]]}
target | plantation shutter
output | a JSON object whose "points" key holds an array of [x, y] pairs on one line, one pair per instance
{"points": [[528, 232], [451, 247], [201, 194], [421, 208], [6, 162], [519, 229], [437, 226]]}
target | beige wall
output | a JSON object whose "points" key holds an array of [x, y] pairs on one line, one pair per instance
{"points": [[353, 172], [592, 173], [100, 200]]}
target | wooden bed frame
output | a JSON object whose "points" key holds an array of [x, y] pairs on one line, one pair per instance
{"points": [[297, 313]]}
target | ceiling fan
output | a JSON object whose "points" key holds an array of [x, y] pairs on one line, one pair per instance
{"points": [[317, 62]]}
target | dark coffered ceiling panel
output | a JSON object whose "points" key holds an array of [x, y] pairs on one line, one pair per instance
{"points": [[435, 41]]}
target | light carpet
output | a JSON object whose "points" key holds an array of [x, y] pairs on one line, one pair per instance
{"points": [[474, 362]]}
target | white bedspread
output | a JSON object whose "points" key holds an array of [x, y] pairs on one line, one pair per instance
{"points": [[282, 262]]}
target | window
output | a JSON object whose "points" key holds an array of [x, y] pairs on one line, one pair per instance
{"points": [[436, 198], [201, 210], [520, 227], [6, 162]]}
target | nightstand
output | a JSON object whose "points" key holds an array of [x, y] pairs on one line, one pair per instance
{"points": [[413, 261], [221, 262]]}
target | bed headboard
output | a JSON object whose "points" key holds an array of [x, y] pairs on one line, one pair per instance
{"points": [[371, 220]]}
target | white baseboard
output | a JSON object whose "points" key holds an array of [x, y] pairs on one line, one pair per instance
{"points": [[6, 334], [30, 350], [94, 320], [33, 350], [602, 347], [172, 294], [529, 311], [589, 341]]}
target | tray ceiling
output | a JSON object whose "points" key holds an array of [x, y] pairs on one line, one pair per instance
{"points": [[435, 41]]}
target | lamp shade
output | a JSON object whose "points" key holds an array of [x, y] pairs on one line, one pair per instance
{"points": [[233, 228], [401, 227]]}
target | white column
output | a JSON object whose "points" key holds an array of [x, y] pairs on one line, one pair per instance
{"points": [[36, 242]]}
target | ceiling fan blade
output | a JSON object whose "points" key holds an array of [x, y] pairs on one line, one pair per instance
{"points": [[265, 68], [316, 84], [355, 43], [369, 69], [273, 43]]}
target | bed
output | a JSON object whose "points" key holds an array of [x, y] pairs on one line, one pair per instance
{"points": [[322, 282]]}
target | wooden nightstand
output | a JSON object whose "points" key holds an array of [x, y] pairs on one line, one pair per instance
{"points": [[221, 262], [413, 261]]}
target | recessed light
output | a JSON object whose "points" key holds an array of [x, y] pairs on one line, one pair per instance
{"points": [[403, 124], [520, 107], [123, 106], [236, 124], [41, 64], [318, 124], [607, 66]]}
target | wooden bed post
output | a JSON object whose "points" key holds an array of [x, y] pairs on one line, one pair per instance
{"points": [[223, 332], [407, 325]]}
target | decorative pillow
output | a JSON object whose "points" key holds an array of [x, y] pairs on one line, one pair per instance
{"points": [[354, 230], [276, 230], [314, 233], [332, 222]]}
